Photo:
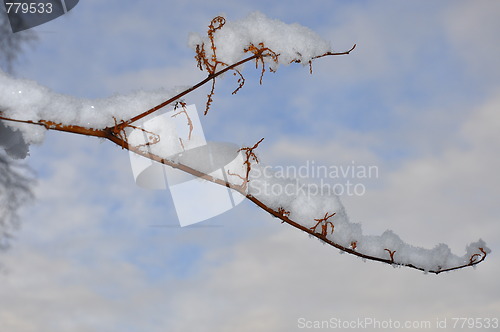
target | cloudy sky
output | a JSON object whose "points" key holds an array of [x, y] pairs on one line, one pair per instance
{"points": [[418, 99]]}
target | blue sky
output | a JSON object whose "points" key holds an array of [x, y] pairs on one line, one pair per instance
{"points": [[417, 98]]}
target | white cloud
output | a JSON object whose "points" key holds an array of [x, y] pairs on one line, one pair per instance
{"points": [[68, 268], [472, 29], [272, 281]]}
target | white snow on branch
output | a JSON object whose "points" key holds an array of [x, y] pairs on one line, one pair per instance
{"points": [[23, 99], [324, 214], [290, 41], [308, 207]]}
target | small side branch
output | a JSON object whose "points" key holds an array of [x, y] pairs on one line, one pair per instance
{"points": [[476, 258], [283, 212], [391, 254], [250, 157], [261, 52], [324, 55], [184, 111], [324, 224]]}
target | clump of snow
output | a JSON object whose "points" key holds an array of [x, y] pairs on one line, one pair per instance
{"points": [[23, 99], [291, 41]]}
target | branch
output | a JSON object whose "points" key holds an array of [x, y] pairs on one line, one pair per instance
{"points": [[117, 135]]}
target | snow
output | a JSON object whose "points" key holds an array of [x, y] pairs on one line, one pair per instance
{"points": [[307, 208], [291, 41], [27, 100]]}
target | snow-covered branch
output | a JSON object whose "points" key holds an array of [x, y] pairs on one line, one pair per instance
{"points": [[227, 46]]}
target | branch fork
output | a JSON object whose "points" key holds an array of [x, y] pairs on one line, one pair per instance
{"points": [[324, 224]]}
